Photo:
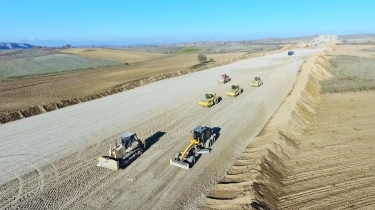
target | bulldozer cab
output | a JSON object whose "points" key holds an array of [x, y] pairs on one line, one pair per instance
{"points": [[234, 87], [208, 95], [256, 78], [127, 139]]}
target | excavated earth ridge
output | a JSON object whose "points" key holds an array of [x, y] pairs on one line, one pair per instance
{"points": [[255, 181]]}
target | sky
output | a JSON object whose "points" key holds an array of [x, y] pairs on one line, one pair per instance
{"points": [[115, 22]]}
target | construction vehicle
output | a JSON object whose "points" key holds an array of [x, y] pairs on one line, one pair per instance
{"points": [[257, 82], [234, 91], [224, 78], [210, 100], [129, 149], [291, 53], [200, 143]]}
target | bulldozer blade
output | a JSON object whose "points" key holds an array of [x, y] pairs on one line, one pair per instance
{"points": [[179, 164], [108, 163], [203, 151]]}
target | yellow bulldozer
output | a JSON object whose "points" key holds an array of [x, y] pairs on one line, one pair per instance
{"points": [[257, 82], [210, 100], [200, 143], [234, 91], [129, 149]]}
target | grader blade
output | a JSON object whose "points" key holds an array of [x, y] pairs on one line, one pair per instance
{"points": [[179, 164]]}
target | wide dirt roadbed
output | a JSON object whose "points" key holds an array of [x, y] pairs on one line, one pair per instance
{"points": [[335, 166], [49, 160]]}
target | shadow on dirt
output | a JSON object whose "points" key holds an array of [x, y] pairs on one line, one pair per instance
{"points": [[153, 139], [147, 145], [219, 99], [216, 130]]}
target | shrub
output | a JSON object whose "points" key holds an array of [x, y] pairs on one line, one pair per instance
{"points": [[202, 58]]}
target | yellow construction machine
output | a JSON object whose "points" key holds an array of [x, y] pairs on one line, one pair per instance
{"points": [[200, 143], [234, 91], [257, 82], [210, 100], [129, 149]]}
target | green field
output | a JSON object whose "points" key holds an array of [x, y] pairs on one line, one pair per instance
{"points": [[36, 62], [190, 50], [351, 73]]}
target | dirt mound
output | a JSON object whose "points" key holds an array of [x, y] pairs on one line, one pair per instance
{"points": [[255, 179], [50, 107], [68, 102], [31, 111], [287, 47], [301, 44]]}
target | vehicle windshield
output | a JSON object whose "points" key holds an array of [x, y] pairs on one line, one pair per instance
{"points": [[256, 78], [234, 87], [208, 96], [125, 141], [196, 135]]}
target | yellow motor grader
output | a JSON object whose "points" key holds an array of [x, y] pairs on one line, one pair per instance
{"points": [[200, 143], [210, 100], [234, 91]]}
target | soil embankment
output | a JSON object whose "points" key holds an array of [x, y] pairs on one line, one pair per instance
{"points": [[256, 180], [334, 166]]}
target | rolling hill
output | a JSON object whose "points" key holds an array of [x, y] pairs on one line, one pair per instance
{"points": [[14, 46]]}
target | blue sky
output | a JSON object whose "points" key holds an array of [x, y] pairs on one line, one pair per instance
{"points": [[136, 22]]}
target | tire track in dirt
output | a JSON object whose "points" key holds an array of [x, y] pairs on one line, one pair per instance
{"points": [[158, 148], [94, 176], [338, 155], [255, 181], [81, 184]]}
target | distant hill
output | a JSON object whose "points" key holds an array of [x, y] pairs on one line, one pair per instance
{"points": [[356, 36], [14, 46]]}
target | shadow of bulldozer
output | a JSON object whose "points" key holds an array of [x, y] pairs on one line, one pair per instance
{"points": [[147, 145], [153, 139]]}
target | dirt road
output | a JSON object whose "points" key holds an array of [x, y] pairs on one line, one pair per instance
{"points": [[49, 160]]}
